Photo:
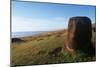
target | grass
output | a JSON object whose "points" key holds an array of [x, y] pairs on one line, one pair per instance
{"points": [[41, 50]]}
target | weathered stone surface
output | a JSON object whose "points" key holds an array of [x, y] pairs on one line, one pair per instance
{"points": [[79, 35]]}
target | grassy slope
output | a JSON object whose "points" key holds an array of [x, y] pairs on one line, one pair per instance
{"points": [[36, 50]]}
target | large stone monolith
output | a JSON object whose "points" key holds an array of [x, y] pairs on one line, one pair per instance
{"points": [[79, 35]]}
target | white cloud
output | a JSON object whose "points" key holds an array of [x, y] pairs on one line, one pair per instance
{"points": [[33, 24]]}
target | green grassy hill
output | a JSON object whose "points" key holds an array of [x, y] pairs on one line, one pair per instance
{"points": [[44, 49]]}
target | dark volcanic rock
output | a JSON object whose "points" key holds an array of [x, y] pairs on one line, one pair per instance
{"points": [[17, 40], [79, 35]]}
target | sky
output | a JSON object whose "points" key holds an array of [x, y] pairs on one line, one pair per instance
{"points": [[35, 16]]}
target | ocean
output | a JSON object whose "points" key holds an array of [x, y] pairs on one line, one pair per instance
{"points": [[25, 34]]}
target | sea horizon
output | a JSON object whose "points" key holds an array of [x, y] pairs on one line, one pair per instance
{"points": [[26, 33]]}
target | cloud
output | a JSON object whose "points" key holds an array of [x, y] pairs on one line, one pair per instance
{"points": [[20, 24]]}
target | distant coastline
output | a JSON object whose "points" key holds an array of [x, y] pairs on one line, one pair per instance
{"points": [[26, 34]]}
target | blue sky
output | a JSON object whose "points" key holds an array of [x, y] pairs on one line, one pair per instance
{"points": [[30, 16]]}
